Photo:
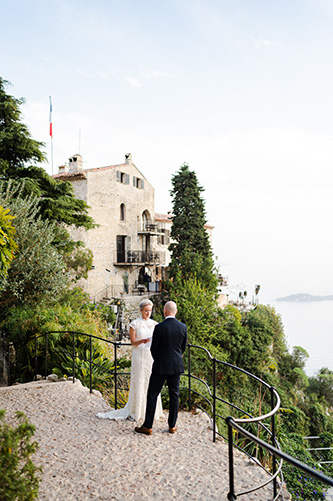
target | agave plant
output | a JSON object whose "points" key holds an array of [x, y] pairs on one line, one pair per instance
{"points": [[102, 368]]}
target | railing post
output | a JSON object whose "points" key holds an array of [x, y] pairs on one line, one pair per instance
{"points": [[90, 361], [231, 493], [36, 358], [115, 376], [273, 442], [214, 399], [73, 357], [189, 377], [46, 353]]}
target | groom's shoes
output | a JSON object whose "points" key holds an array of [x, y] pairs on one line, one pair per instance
{"points": [[173, 430], [144, 430]]}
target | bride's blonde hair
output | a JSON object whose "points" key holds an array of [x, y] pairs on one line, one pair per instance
{"points": [[144, 303]]}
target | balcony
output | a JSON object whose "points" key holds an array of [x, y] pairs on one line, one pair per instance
{"points": [[135, 258], [150, 229]]}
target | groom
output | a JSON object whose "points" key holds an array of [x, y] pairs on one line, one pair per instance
{"points": [[168, 345]]}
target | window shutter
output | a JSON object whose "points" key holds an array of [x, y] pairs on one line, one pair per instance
{"points": [[118, 175], [119, 242], [142, 184], [134, 181], [127, 179], [120, 249]]}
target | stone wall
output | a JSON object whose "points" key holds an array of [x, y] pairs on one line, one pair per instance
{"points": [[105, 189]]}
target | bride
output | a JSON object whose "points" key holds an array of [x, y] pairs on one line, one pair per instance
{"points": [[141, 333]]}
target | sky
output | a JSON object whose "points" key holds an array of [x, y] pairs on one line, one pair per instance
{"points": [[241, 90]]}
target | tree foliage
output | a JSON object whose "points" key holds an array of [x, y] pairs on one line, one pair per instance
{"points": [[19, 477], [8, 245], [196, 308], [70, 312], [37, 270], [77, 259], [191, 253], [16, 144], [322, 385]]}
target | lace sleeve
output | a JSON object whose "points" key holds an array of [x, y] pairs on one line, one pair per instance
{"points": [[133, 324]]}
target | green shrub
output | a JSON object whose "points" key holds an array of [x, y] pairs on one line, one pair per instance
{"points": [[292, 418], [19, 478], [102, 372], [72, 313], [301, 485]]}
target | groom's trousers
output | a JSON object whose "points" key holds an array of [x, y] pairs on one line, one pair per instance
{"points": [[154, 389]]}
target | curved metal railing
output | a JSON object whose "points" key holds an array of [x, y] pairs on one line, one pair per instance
{"points": [[275, 452], [212, 401], [275, 476], [73, 355], [275, 405]]}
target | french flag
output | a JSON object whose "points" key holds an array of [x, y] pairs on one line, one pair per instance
{"points": [[51, 117]]}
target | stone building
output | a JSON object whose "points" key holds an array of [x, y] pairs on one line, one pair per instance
{"points": [[130, 245]]}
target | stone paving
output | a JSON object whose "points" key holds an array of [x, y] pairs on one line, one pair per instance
{"points": [[86, 458]]}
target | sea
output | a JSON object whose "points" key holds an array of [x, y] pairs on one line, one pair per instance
{"points": [[309, 325]]}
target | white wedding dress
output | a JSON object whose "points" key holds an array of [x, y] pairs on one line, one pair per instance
{"points": [[142, 362]]}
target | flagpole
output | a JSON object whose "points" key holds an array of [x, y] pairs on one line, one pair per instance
{"points": [[51, 134]]}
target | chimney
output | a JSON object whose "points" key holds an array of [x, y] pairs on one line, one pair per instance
{"points": [[75, 163], [62, 169], [128, 158]]}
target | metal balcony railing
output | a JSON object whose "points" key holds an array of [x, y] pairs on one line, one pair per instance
{"points": [[150, 227], [140, 257]]}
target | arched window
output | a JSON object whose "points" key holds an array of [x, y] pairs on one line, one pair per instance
{"points": [[145, 220], [122, 212]]}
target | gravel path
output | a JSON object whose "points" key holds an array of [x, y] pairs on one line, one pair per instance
{"points": [[85, 458]]}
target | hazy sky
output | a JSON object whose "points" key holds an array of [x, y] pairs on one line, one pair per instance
{"points": [[241, 90]]}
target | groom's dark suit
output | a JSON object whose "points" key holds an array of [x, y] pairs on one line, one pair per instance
{"points": [[167, 348]]}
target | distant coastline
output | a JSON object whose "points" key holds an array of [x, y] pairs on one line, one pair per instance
{"points": [[303, 297]]}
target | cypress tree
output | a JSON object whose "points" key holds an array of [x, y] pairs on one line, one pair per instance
{"points": [[191, 252]]}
